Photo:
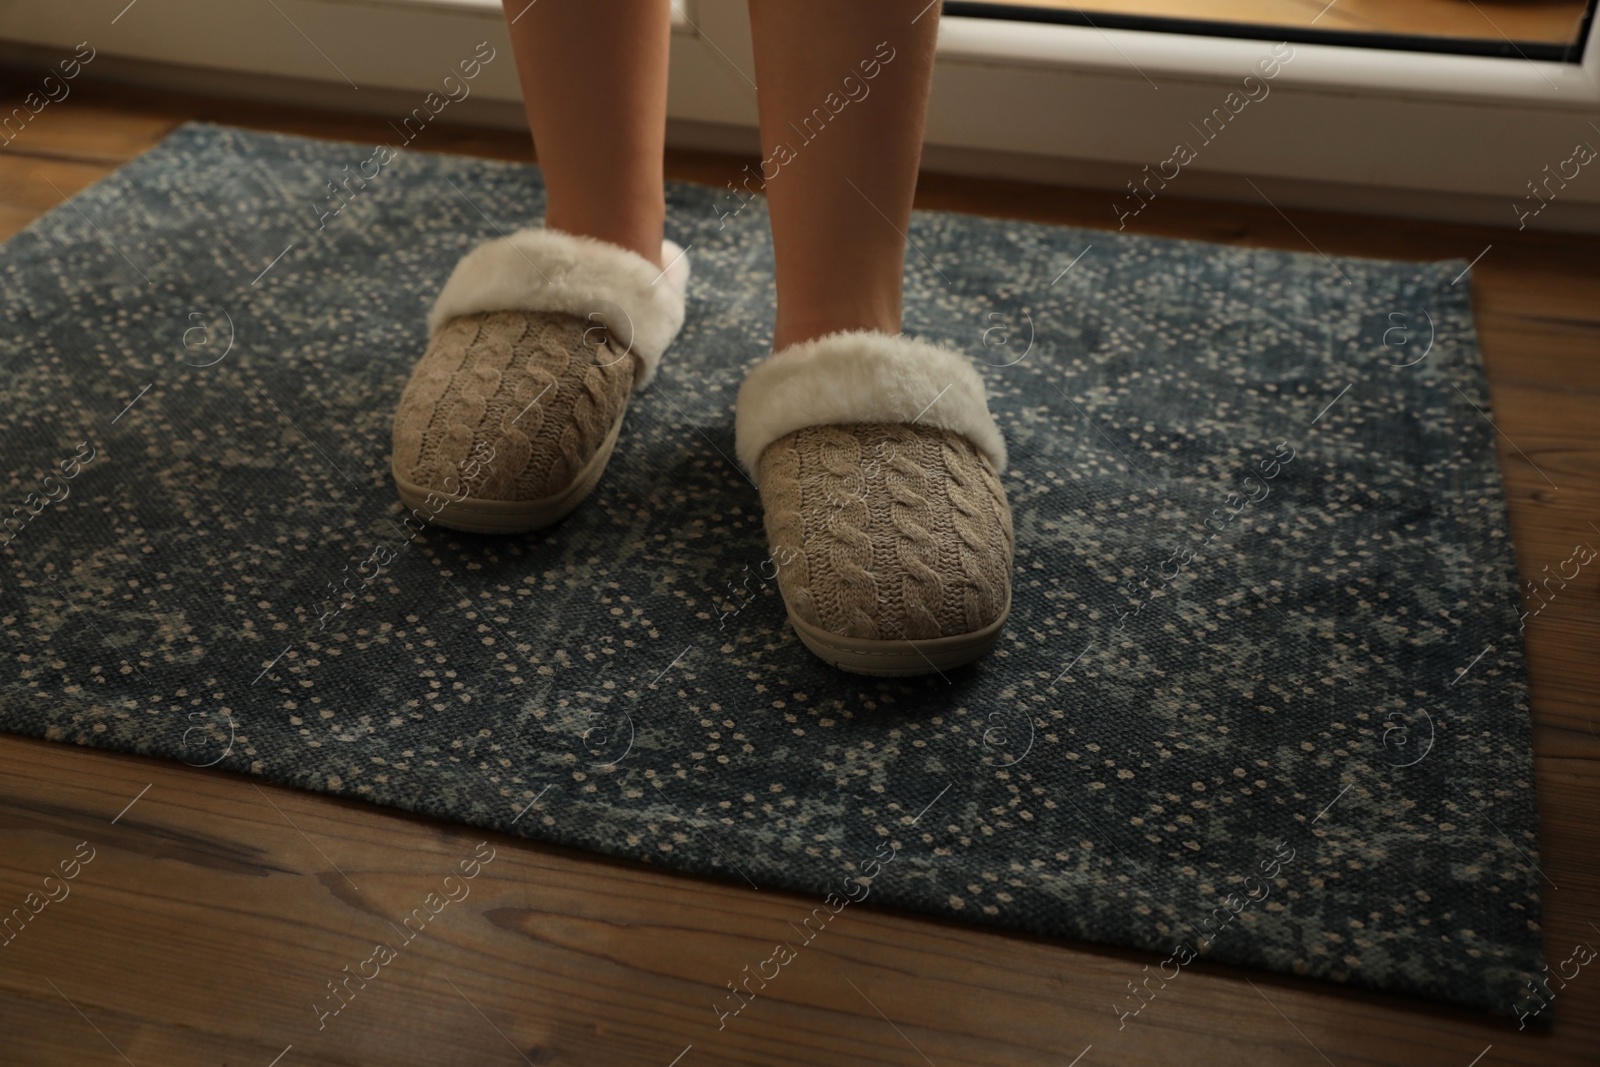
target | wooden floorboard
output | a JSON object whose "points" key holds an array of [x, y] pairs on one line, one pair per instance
{"points": [[216, 909]]}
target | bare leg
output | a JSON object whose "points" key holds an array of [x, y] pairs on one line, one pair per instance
{"points": [[594, 81], [841, 195]]}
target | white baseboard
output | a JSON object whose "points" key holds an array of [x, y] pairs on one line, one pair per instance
{"points": [[1286, 193]]}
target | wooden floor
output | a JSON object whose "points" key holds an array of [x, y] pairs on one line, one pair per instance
{"points": [[215, 911]]}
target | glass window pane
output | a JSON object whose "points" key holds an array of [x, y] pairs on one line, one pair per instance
{"points": [[1528, 29]]}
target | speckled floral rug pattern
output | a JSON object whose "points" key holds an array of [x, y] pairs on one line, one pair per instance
{"points": [[1261, 698]]}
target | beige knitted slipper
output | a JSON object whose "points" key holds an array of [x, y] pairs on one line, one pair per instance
{"points": [[878, 465], [537, 342]]}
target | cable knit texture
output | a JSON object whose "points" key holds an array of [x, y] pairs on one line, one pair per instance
{"points": [[537, 391], [537, 340], [892, 530]]}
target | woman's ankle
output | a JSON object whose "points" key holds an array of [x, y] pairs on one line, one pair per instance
{"points": [[641, 236], [799, 330]]}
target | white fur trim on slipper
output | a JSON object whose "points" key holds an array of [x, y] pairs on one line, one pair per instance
{"points": [[548, 270], [863, 376]]}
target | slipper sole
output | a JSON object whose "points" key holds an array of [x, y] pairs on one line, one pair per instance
{"points": [[484, 516], [900, 658]]}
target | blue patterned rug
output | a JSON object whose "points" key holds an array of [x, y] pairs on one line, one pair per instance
{"points": [[1261, 699]]}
